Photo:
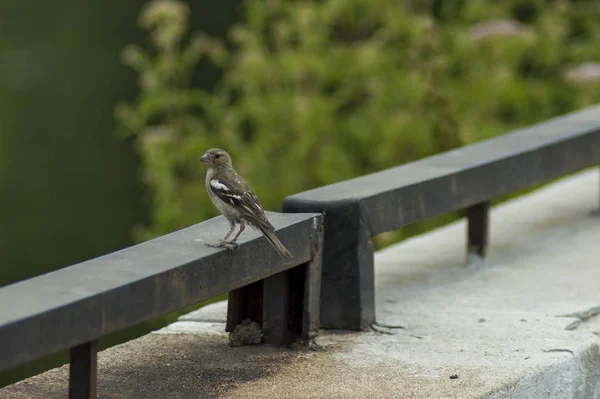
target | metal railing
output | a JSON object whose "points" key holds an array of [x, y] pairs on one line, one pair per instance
{"points": [[72, 308], [466, 178]]}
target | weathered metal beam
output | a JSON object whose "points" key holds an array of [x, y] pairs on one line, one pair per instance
{"points": [[358, 209], [312, 289], [80, 303], [276, 303], [347, 271], [245, 303], [285, 304]]}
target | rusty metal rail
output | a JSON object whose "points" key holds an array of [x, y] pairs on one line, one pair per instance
{"points": [[73, 307], [466, 178]]}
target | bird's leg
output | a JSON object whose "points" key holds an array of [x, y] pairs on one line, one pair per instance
{"points": [[242, 227], [233, 244], [223, 243], [231, 230]]}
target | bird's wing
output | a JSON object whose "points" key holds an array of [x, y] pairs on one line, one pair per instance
{"points": [[233, 190]]}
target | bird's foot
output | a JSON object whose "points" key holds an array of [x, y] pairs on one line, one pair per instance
{"points": [[224, 244], [230, 244]]}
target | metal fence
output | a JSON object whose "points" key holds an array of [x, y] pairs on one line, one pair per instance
{"points": [[466, 178], [328, 227], [71, 308]]}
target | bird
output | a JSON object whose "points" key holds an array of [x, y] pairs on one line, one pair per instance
{"points": [[232, 196]]}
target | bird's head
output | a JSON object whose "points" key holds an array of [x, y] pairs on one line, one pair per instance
{"points": [[215, 158]]}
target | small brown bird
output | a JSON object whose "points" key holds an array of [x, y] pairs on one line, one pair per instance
{"points": [[233, 197]]}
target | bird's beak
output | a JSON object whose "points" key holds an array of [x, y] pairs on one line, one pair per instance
{"points": [[204, 158]]}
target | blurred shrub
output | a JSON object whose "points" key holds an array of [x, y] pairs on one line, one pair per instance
{"points": [[314, 92]]}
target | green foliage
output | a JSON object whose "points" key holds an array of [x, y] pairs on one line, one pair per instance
{"points": [[314, 92]]}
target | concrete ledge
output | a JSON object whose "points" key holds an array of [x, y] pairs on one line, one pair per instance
{"points": [[210, 319], [522, 325]]}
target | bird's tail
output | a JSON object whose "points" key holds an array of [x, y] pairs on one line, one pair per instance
{"points": [[272, 238]]}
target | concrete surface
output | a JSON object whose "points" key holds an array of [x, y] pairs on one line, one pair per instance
{"points": [[493, 330]]}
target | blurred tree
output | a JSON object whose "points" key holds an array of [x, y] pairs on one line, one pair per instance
{"points": [[314, 92], [69, 190], [68, 187]]}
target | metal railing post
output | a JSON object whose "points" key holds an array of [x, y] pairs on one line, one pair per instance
{"points": [[347, 281], [286, 304], [83, 370], [478, 228]]}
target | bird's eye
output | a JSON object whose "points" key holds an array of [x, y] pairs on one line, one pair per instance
{"points": [[217, 156]]}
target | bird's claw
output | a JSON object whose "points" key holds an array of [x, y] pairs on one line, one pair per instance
{"points": [[231, 244], [224, 244]]}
